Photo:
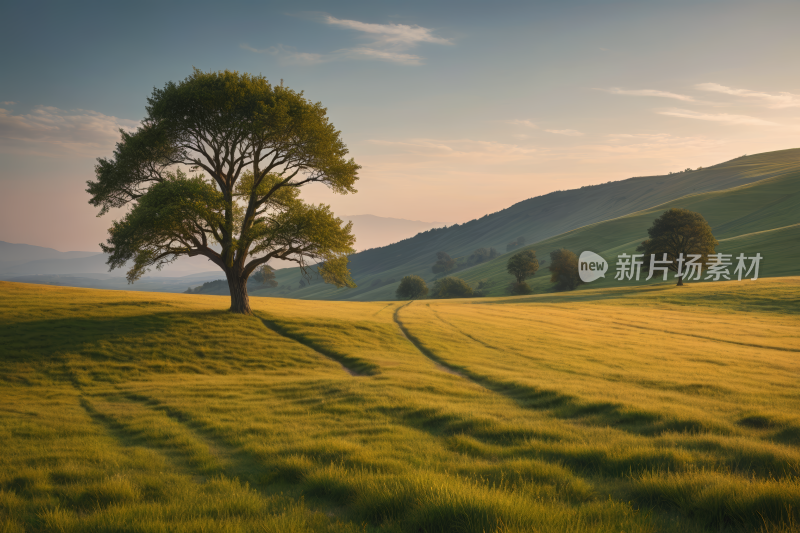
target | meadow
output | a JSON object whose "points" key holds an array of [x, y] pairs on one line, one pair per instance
{"points": [[636, 409]]}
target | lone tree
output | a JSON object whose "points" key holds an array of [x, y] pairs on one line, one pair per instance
{"points": [[523, 265], [411, 288], [249, 147], [444, 263], [564, 270], [678, 233]]}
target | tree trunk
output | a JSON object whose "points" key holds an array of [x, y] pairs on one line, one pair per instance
{"points": [[240, 302], [680, 281]]}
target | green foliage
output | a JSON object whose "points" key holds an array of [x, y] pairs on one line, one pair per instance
{"points": [[411, 288], [451, 287], [251, 147], [523, 265], [564, 270], [444, 263], [679, 232]]}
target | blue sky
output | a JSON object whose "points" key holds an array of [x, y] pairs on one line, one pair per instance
{"points": [[454, 109]]}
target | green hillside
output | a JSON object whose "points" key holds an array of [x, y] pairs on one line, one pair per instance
{"points": [[739, 198]]}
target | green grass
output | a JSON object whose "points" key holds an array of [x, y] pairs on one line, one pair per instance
{"points": [[636, 409], [752, 204]]}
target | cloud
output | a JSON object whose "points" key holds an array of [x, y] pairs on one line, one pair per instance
{"points": [[521, 122], [720, 117], [388, 42], [9, 103], [51, 131], [385, 55], [390, 33], [570, 133], [776, 101], [649, 92]]}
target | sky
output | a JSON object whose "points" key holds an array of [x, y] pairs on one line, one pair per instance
{"points": [[453, 109]]}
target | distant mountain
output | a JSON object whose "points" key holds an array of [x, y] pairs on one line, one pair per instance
{"points": [[12, 254], [25, 260], [543, 221]]}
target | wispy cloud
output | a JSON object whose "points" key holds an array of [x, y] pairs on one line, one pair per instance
{"points": [[725, 118], [387, 42], [649, 92], [569, 133], [522, 122], [9, 103], [390, 33], [52, 131], [777, 101]]}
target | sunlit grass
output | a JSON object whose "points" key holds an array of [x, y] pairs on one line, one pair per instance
{"points": [[639, 409]]}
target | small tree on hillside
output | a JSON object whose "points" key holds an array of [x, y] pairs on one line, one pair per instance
{"points": [[564, 270], [523, 265], [444, 263], [678, 233], [411, 288], [451, 287], [265, 276]]}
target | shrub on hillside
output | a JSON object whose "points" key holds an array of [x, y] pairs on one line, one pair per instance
{"points": [[451, 287], [519, 289]]}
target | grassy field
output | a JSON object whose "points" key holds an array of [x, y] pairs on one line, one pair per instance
{"points": [[635, 409]]}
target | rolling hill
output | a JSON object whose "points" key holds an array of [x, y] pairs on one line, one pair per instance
{"points": [[751, 202]]}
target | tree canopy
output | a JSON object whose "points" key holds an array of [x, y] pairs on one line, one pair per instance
{"points": [[411, 288], [248, 148], [678, 233], [564, 270], [523, 265]]}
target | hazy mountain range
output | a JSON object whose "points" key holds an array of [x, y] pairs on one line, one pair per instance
{"points": [[36, 264]]}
